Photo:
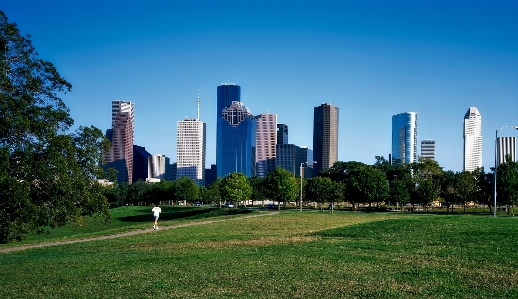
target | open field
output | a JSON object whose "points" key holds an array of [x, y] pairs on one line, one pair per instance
{"points": [[289, 255]]}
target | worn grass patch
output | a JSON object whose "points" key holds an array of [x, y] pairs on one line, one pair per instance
{"points": [[289, 255]]}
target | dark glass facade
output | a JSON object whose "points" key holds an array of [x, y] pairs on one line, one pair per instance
{"points": [[140, 163], [282, 134], [236, 141], [227, 93]]}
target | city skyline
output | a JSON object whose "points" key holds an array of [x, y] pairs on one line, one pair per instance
{"points": [[372, 59]]}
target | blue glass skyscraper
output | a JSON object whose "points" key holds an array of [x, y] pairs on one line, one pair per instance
{"points": [[404, 138], [227, 93], [235, 144]]}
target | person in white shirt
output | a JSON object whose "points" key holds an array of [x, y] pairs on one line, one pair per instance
{"points": [[156, 213]]}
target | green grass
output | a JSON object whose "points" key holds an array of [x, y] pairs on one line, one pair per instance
{"points": [[290, 255], [127, 218]]}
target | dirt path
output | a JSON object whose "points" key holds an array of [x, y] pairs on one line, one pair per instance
{"points": [[130, 233]]}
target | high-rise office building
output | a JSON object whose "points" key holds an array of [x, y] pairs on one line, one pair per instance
{"points": [[121, 135], [506, 146], [236, 141], [227, 93], [404, 138], [325, 137], [190, 149], [158, 165], [211, 174], [266, 139], [289, 158], [472, 139], [428, 149], [306, 158], [282, 134], [140, 163]]}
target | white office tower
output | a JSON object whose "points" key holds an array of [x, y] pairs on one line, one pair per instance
{"points": [[472, 139], [266, 139], [428, 149], [506, 146], [190, 149], [157, 166]]}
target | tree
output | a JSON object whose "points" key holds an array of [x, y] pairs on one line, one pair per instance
{"points": [[257, 189], [235, 188], [426, 176], [50, 177], [466, 187], [448, 193], [486, 185], [507, 182], [185, 190], [372, 183], [322, 190], [347, 174], [281, 185], [213, 196]]}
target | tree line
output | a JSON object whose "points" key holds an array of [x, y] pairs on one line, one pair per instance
{"points": [[421, 183]]}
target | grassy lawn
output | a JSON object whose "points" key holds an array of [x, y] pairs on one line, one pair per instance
{"points": [[128, 218], [290, 255]]}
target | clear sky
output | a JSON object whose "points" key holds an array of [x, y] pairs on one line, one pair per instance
{"points": [[372, 59]]}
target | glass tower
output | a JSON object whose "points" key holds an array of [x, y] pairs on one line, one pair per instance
{"points": [[404, 138], [236, 140]]}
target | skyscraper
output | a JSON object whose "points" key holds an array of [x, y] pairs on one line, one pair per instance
{"points": [[428, 149], [266, 139], [289, 158], [158, 166], [506, 146], [282, 134], [121, 135], [227, 93], [325, 137], [140, 163], [472, 139], [236, 141], [190, 149], [404, 138]]}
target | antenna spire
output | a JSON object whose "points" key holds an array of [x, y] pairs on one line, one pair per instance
{"points": [[198, 116]]}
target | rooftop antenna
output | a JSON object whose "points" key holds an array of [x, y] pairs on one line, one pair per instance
{"points": [[198, 116]]}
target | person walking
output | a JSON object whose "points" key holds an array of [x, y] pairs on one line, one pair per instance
{"points": [[156, 213]]}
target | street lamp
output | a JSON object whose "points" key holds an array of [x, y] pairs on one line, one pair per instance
{"points": [[496, 163], [300, 209]]}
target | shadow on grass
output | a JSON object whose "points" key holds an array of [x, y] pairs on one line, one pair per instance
{"points": [[172, 213]]}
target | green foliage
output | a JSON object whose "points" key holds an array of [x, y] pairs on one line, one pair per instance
{"points": [[49, 177], [185, 189], [466, 187], [362, 183], [426, 177], [213, 195], [507, 182], [258, 192], [323, 190], [281, 186], [235, 187]]}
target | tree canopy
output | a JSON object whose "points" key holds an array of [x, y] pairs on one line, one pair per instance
{"points": [[235, 187], [281, 185], [48, 176]]}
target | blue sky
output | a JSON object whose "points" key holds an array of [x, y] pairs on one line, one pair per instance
{"points": [[372, 59]]}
